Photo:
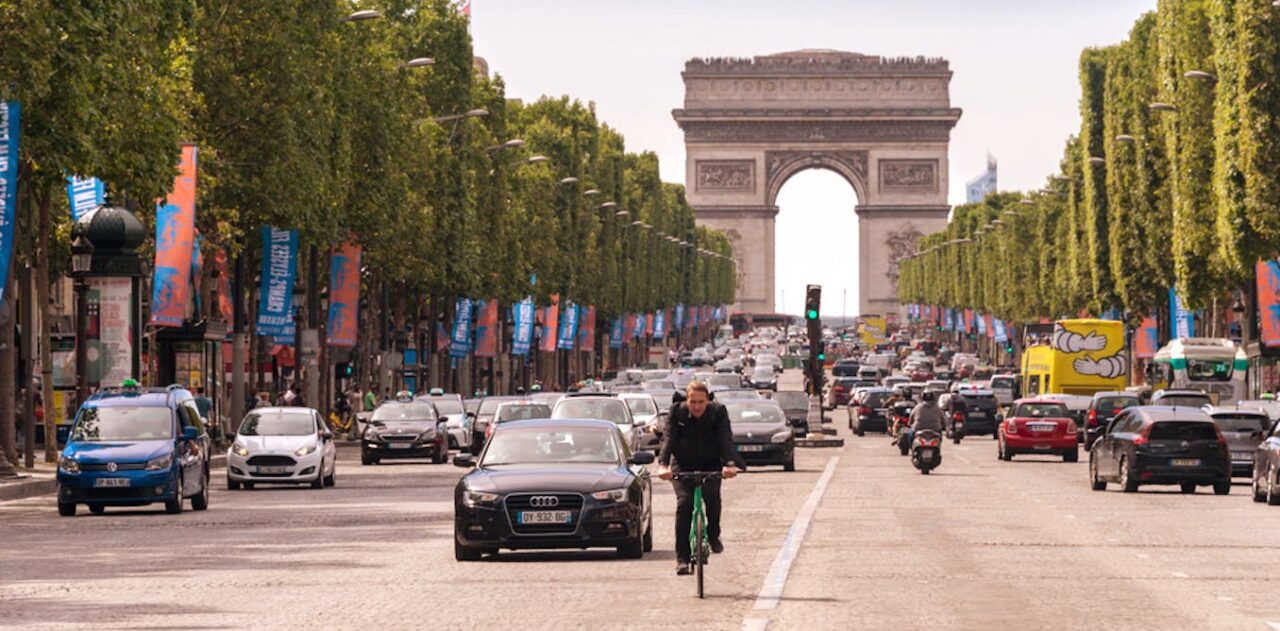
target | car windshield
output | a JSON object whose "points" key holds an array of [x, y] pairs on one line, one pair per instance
{"points": [[403, 411], [724, 381], [763, 373], [1001, 382], [611, 410], [755, 413], [1183, 400], [1241, 422], [1042, 410], [1183, 430], [520, 411], [123, 423], [1109, 405], [792, 400], [537, 445], [277, 424], [642, 406], [448, 407], [1210, 369]]}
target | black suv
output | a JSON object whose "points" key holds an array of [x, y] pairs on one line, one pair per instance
{"points": [[1104, 407], [980, 409]]}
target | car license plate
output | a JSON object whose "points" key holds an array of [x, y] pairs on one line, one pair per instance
{"points": [[750, 447], [1041, 427], [272, 470], [400, 445], [977, 414], [111, 482], [926, 452], [1042, 446], [545, 517], [1186, 462]]}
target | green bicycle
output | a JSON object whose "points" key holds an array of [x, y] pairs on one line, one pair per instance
{"points": [[698, 544]]}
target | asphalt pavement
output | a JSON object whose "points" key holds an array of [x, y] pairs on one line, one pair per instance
{"points": [[854, 539]]}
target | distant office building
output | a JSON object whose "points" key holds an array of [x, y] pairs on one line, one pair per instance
{"points": [[978, 187]]}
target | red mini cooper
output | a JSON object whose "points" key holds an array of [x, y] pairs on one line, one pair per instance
{"points": [[1039, 427]]}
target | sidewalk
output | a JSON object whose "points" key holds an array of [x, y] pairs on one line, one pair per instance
{"points": [[42, 480]]}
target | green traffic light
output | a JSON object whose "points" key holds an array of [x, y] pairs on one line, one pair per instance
{"points": [[813, 314], [822, 357]]}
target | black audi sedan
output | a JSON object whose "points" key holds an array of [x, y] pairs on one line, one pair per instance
{"points": [[554, 483], [1161, 445], [404, 428], [761, 434]]}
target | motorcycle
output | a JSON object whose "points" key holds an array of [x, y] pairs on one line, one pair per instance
{"points": [[901, 415], [926, 450], [956, 431]]}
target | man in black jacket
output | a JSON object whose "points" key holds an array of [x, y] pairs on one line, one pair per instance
{"points": [[698, 438]]}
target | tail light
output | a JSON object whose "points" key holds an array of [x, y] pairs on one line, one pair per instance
{"points": [[1222, 441], [1144, 436], [1072, 428], [862, 409], [1010, 427], [1093, 418], [839, 388], [488, 431], [957, 417], [930, 443]]}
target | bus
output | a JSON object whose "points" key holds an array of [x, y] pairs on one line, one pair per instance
{"points": [[1079, 357], [1215, 365]]}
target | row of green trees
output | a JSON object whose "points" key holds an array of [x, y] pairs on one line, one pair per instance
{"points": [[1173, 180], [349, 121]]}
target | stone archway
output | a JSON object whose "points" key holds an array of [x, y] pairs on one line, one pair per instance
{"points": [[882, 124]]}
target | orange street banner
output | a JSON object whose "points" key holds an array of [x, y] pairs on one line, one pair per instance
{"points": [[175, 245]]}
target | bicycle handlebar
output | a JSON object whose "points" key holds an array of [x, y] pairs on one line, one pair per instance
{"points": [[697, 475]]}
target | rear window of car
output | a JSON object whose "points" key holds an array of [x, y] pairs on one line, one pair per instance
{"points": [[1241, 422], [1184, 400], [792, 400], [1110, 405], [1182, 430], [875, 399], [980, 400], [1042, 410], [1002, 382]]}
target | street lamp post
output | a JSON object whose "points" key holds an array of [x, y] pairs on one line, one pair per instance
{"points": [[81, 263]]}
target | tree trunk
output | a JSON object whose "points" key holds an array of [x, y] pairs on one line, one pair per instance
{"points": [[8, 311], [45, 316]]}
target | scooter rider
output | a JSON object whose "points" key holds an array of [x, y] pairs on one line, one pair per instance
{"points": [[926, 415]]}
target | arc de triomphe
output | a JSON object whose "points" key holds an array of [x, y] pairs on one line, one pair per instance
{"points": [[882, 124]]}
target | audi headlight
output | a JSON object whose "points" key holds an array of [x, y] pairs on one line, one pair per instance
{"points": [[239, 450], [69, 465], [615, 495], [781, 437], [304, 450], [161, 463], [477, 498]]}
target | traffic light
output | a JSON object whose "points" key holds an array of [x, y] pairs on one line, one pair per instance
{"points": [[812, 302], [822, 352], [343, 370]]}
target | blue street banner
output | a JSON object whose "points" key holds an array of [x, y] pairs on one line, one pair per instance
{"points": [[279, 271], [288, 335], [568, 327], [460, 340], [679, 316], [982, 324], [660, 324], [637, 330], [10, 123], [1183, 319], [587, 330], [84, 195], [197, 268], [951, 320], [522, 327], [1002, 335], [615, 334]]}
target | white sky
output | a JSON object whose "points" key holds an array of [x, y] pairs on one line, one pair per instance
{"points": [[1014, 65]]}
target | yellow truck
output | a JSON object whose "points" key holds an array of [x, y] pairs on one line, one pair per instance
{"points": [[1082, 357]]}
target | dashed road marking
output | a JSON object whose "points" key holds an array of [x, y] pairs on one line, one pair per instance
{"points": [[1274, 625], [755, 624], [1141, 555], [1071, 516], [1180, 575], [776, 581]]}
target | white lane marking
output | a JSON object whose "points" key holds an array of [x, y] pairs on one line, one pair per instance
{"points": [[771, 592], [1142, 556], [869, 446], [1226, 599], [755, 624], [1180, 575], [1274, 625], [1071, 516]]}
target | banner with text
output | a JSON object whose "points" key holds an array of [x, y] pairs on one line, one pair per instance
{"points": [[10, 124], [568, 327], [84, 194], [460, 339], [522, 316], [1183, 319], [279, 270]]}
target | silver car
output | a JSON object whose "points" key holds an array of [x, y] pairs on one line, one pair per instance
{"points": [[1244, 429], [648, 418], [457, 423], [604, 407]]}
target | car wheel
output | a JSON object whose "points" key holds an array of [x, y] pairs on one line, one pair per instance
{"points": [[67, 509], [440, 456], [1072, 455], [1094, 482], [97, 510], [1188, 487], [858, 429], [648, 535], [1222, 487], [1005, 454], [232, 485], [332, 478], [174, 506], [463, 553], [1258, 494], [366, 459], [1273, 497], [318, 483], [632, 549], [201, 501], [790, 464], [1127, 481]]}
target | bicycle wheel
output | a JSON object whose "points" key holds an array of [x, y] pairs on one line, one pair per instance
{"points": [[699, 559]]}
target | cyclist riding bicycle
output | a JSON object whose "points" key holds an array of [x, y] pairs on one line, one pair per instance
{"points": [[698, 438]]}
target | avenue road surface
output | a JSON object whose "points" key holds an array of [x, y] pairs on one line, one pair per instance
{"points": [[979, 544]]}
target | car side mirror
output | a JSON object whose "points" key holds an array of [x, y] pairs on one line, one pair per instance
{"points": [[641, 458], [471, 415], [231, 436], [190, 433], [466, 461], [326, 435]]}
